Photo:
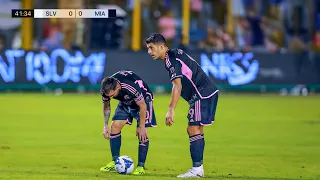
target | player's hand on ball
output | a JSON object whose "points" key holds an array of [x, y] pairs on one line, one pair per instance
{"points": [[169, 117], [142, 134], [106, 132]]}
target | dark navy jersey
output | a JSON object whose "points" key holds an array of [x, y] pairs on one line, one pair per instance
{"points": [[195, 83], [133, 89]]}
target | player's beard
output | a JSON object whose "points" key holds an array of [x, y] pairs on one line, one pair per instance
{"points": [[158, 58], [119, 94]]}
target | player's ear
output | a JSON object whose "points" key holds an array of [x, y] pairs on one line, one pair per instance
{"points": [[162, 47]]}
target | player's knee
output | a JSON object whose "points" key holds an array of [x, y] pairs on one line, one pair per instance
{"points": [[116, 126], [193, 130]]}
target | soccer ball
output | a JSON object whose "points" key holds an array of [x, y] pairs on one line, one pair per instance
{"points": [[124, 165]]}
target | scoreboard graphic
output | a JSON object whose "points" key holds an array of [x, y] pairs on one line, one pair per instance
{"points": [[64, 13]]}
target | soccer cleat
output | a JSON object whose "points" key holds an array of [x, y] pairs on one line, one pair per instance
{"points": [[109, 167], [139, 171], [193, 173]]}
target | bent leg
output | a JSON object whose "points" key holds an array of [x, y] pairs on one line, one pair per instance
{"points": [[142, 152], [115, 137], [115, 144]]}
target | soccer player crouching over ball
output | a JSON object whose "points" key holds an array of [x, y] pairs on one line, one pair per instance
{"points": [[135, 101]]}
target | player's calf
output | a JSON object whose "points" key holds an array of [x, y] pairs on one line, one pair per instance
{"points": [[196, 144], [142, 153], [115, 138], [115, 144]]}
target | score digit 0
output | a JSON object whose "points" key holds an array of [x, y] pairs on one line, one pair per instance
{"points": [[80, 13], [70, 13]]}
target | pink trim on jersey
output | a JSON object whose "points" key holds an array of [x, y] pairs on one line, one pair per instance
{"points": [[207, 124], [139, 99], [168, 63], [150, 112], [199, 106], [128, 87], [147, 93], [140, 83], [197, 111], [128, 122], [186, 71]]}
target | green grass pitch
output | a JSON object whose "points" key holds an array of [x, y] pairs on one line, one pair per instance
{"points": [[43, 136]]}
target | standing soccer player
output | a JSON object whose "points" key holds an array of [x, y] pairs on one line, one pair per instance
{"points": [[135, 101], [196, 88]]}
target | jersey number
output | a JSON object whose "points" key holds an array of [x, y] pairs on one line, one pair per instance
{"points": [[147, 117]]}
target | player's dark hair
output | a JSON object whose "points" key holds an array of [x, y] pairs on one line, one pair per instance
{"points": [[108, 84], [156, 39]]}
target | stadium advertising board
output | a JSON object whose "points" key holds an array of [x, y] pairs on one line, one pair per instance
{"points": [[234, 69], [58, 66], [259, 68]]}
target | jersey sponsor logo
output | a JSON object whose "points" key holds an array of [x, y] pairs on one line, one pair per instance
{"points": [[126, 97], [236, 68], [172, 69], [128, 103], [193, 99]]}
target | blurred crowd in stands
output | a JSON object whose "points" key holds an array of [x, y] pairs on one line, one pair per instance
{"points": [[255, 25]]}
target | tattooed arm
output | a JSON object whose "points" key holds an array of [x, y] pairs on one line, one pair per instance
{"points": [[106, 112], [106, 116]]}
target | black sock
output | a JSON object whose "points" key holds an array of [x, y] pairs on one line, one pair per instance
{"points": [[115, 144], [196, 149], [203, 145], [143, 151]]}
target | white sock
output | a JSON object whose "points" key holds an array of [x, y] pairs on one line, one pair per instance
{"points": [[197, 169]]}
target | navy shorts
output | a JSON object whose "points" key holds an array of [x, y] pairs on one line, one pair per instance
{"points": [[126, 113], [202, 111]]}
